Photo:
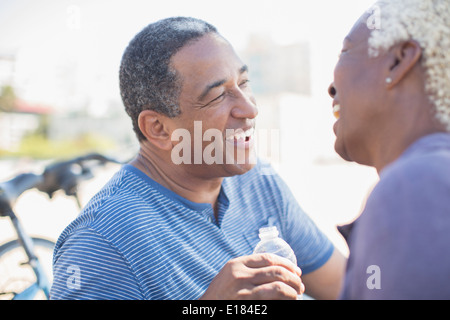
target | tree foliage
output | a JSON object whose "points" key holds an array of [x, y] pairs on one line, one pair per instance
{"points": [[7, 99]]}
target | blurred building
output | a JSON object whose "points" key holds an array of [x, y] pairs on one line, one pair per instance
{"points": [[280, 79], [25, 119], [276, 68], [275, 71], [7, 68]]}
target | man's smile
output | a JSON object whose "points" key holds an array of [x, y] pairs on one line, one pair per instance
{"points": [[240, 137]]}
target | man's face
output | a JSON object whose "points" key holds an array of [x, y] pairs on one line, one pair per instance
{"points": [[216, 98], [359, 89]]}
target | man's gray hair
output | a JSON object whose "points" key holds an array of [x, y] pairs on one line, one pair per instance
{"points": [[147, 80]]}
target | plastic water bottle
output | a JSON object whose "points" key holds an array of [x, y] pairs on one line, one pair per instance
{"points": [[271, 243]]}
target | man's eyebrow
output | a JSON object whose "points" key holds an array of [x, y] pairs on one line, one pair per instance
{"points": [[243, 69], [218, 83]]}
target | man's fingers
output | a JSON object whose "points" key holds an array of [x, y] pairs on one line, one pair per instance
{"points": [[262, 260], [270, 269], [275, 291], [277, 274], [258, 276]]}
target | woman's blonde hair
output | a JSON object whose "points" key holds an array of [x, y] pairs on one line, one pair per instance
{"points": [[428, 23]]}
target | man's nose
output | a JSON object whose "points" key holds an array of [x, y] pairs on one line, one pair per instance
{"points": [[245, 107], [332, 90]]}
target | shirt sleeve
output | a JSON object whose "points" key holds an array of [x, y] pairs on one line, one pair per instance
{"points": [[87, 267]]}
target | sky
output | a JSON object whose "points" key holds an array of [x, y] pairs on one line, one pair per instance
{"points": [[66, 49]]}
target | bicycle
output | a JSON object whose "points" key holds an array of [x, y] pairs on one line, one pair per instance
{"points": [[62, 175]]}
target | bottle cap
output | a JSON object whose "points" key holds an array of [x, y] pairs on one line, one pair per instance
{"points": [[268, 232]]}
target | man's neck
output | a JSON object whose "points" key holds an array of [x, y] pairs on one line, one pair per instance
{"points": [[178, 179]]}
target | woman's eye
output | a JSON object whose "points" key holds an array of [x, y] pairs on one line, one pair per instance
{"points": [[342, 52]]}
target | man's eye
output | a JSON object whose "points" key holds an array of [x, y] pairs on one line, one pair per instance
{"points": [[216, 99], [221, 96], [244, 83]]}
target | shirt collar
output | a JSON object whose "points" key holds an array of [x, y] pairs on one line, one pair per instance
{"points": [[167, 192], [200, 207]]}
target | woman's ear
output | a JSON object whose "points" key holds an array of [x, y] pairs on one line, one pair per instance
{"points": [[154, 127], [403, 58]]}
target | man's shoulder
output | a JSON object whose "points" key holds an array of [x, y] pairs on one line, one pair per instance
{"points": [[115, 204]]}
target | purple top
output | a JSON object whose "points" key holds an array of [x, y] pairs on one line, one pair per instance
{"points": [[400, 245]]}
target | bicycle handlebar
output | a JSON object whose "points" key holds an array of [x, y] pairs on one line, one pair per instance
{"points": [[62, 175], [68, 174], [12, 189]]}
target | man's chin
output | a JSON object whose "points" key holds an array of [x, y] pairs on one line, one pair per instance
{"points": [[240, 161], [238, 169]]}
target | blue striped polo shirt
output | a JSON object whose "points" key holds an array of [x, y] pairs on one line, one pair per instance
{"points": [[136, 239]]}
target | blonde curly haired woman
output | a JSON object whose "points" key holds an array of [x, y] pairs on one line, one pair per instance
{"points": [[391, 95]]}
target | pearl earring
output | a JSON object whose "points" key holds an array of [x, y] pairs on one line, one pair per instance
{"points": [[388, 80]]}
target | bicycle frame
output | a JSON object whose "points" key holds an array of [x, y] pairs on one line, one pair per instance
{"points": [[57, 176], [25, 240]]}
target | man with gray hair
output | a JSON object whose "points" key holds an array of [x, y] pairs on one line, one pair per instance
{"points": [[391, 95], [181, 220]]}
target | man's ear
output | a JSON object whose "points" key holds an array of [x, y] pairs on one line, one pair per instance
{"points": [[403, 58], [153, 126]]}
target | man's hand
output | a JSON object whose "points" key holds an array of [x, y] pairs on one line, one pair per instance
{"points": [[258, 276]]}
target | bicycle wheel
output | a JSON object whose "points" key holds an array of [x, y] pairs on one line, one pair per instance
{"points": [[16, 273]]}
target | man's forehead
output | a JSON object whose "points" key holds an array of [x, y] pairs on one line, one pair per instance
{"points": [[207, 56]]}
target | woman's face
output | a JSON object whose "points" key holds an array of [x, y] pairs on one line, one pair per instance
{"points": [[358, 90]]}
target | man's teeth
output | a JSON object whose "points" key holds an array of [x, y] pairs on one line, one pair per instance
{"points": [[336, 110], [240, 134]]}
